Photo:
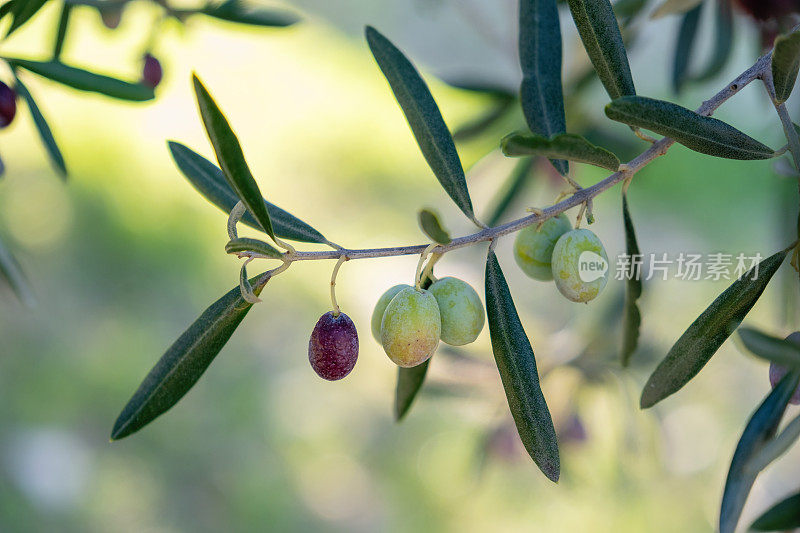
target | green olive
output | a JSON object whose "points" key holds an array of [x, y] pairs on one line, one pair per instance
{"points": [[533, 247], [380, 308], [580, 265], [461, 310], [411, 327]]}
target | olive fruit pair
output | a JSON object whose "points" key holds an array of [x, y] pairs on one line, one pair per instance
{"points": [[8, 104], [409, 322], [776, 372], [574, 258], [333, 346]]}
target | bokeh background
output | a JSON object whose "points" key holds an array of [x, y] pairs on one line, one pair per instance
{"points": [[126, 255]]}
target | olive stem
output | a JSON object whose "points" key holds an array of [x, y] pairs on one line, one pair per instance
{"points": [[422, 257], [334, 303]]}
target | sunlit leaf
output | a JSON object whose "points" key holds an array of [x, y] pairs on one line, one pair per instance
{"points": [[245, 244], [44, 130], [12, 274], [706, 334], [564, 146], [781, 351], [245, 12], [210, 182], [184, 362], [409, 382], [231, 158], [631, 317], [785, 63], [22, 11], [541, 93], [517, 365], [602, 39], [510, 190], [83, 80], [723, 41], [700, 133], [760, 429], [782, 516], [687, 34], [429, 223], [673, 7], [423, 117]]}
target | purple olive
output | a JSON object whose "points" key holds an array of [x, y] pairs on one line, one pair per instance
{"points": [[8, 104], [111, 17], [333, 347], [151, 72], [776, 372]]}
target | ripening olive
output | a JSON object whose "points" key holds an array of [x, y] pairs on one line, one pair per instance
{"points": [[151, 71], [776, 372], [411, 327], [8, 104], [380, 308], [333, 346], [461, 311], [580, 265], [533, 247]]}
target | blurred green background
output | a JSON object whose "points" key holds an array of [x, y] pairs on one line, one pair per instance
{"points": [[126, 255]]}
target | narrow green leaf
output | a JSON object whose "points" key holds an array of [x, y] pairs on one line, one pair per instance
{"points": [[43, 128], [782, 516], [723, 42], [23, 11], [631, 317], [700, 133], [211, 183], [541, 93], [687, 35], [6, 8], [597, 26], [627, 9], [481, 86], [429, 223], [245, 244], [61, 34], [409, 382], [247, 13], [83, 80], [184, 362], [517, 365], [510, 190], [12, 273], [674, 7], [785, 63], [564, 146], [760, 429], [773, 449], [230, 157], [423, 117], [780, 351], [706, 334]]}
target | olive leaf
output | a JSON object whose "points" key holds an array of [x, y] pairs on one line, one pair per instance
{"points": [[61, 34], [43, 128], [423, 117], [245, 12], [245, 244], [707, 333], [510, 190], [673, 7], [760, 429], [429, 222], [409, 382], [12, 273], [627, 9], [773, 449], [184, 362], [563, 146], [631, 317], [687, 35], [231, 158], [700, 133], [541, 92], [22, 11], [599, 31], [211, 183], [517, 365], [723, 42], [83, 80], [785, 63], [780, 351], [783, 516]]}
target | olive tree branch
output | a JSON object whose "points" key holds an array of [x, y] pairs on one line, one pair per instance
{"points": [[582, 196]]}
